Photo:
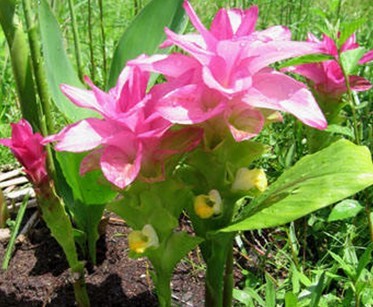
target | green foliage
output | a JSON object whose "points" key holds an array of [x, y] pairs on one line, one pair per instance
{"points": [[345, 209], [145, 33], [58, 71], [321, 179]]}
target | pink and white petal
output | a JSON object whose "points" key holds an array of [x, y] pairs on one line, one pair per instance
{"points": [[275, 33], [82, 98], [199, 52], [312, 71], [221, 26], [248, 21], [105, 100], [91, 162], [368, 57], [190, 105], [303, 106], [274, 51], [244, 123], [360, 84], [172, 66], [81, 136], [120, 168], [207, 36], [277, 91]]}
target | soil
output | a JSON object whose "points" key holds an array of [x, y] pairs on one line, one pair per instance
{"points": [[38, 274]]}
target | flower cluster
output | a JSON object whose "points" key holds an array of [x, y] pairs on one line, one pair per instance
{"points": [[327, 77], [27, 147], [223, 85]]}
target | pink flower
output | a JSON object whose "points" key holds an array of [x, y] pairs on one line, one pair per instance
{"points": [[226, 75], [327, 77], [27, 148], [130, 140]]}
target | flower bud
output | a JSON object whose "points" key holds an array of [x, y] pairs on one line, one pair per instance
{"points": [[139, 241], [205, 206], [248, 179]]}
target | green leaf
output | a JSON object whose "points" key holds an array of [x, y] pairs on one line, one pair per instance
{"points": [[348, 269], [58, 67], [242, 297], [340, 130], [349, 28], [21, 63], [85, 196], [350, 59], [365, 258], [291, 300], [270, 291], [316, 181], [92, 188], [345, 209], [249, 293], [146, 32], [311, 58], [317, 291]]}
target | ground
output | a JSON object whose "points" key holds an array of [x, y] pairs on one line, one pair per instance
{"points": [[38, 274]]}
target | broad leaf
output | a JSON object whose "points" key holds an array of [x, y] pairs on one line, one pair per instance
{"points": [[350, 59], [316, 181], [58, 67], [345, 209], [146, 32], [91, 188]]}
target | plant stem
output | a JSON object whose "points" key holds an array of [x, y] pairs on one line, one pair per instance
{"points": [[351, 101], [76, 39], [163, 287], [90, 39], [103, 41], [59, 223], [37, 65], [13, 237], [228, 279]]}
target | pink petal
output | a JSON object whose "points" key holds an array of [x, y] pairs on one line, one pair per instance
{"points": [[366, 57], [207, 36], [275, 33], [360, 84], [248, 23], [91, 161], [221, 25], [199, 52], [190, 104], [274, 51], [6, 142], [81, 98], [350, 43], [312, 71], [245, 122], [120, 168], [277, 91], [82, 136], [180, 141]]}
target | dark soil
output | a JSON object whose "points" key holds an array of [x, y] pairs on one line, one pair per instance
{"points": [[38, 274]]}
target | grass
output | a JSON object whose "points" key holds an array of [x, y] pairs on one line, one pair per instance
{"points": [[295, 255]]}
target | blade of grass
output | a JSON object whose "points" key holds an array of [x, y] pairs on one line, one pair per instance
{"points": [[12, 241]]}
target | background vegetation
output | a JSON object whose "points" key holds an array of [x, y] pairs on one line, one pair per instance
{"points": [[322, 255]]}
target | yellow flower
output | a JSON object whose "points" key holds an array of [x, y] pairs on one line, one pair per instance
{"points": [[247, 179], [139, 241], [205, 206]]}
